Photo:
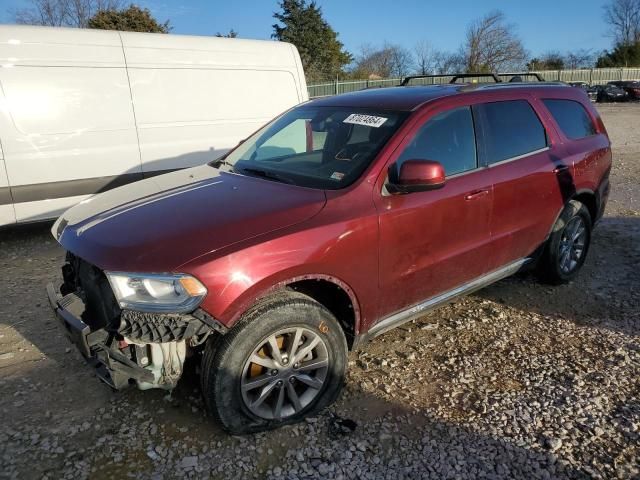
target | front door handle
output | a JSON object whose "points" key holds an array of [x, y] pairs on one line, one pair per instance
{"points": [[476, 194]]}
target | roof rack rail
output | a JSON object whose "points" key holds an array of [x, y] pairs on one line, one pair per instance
{"points": [[455, 77], [514, 75]]}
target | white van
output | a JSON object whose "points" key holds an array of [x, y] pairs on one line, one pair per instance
{"points": [[82, 111]]}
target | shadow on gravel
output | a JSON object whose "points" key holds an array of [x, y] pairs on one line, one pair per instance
{"points": [[73, 427], [605, 293], [58, 418]]}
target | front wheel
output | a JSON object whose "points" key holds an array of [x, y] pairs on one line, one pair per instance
{"points": [[568, 244], [285, 360]]}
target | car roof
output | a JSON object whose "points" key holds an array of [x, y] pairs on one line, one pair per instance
{"points": [[409, 98]]}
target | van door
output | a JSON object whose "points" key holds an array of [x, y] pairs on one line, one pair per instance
{"points": [[66, 119], [7, 214]]}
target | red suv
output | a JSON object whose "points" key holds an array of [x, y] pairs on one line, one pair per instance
{"points": [[339, 220]]}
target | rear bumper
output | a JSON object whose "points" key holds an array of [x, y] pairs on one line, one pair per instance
{"points": [[112, 366]]}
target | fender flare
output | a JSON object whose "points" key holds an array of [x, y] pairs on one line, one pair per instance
{"points": [[282, 284], [576, 194]]}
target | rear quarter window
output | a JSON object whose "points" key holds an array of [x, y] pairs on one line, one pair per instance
{"points": [[571, 117]]}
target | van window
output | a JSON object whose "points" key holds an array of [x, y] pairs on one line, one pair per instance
{"points": [[447, 138], [573, 119], [509, 129]]}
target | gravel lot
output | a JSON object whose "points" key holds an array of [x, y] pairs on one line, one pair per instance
{"points": [[519, 380]]}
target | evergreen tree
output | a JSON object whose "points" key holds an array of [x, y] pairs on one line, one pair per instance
{"points": [[131, 19], [323, 55], [623, 55]]}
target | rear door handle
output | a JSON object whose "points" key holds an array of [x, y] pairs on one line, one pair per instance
{"points": [[476, 194], [560, 168]]}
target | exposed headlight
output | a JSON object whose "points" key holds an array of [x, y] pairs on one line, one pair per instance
{"points": [[156, 292]]}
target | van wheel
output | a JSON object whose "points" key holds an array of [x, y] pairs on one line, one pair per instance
{"points": [[568, 244], [285, 360]]}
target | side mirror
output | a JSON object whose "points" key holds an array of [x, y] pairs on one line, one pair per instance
{"points": [[415, 176]]}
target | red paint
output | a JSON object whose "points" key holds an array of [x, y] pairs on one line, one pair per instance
{"points": [[421, 172], [248, 236]]}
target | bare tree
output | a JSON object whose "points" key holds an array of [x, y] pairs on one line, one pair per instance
{"points": [[63, 13], [582, 58], [623, 17], [492, 45], [387, 61], [372, 62], [425, 57], [446, 63], [401, 60]]}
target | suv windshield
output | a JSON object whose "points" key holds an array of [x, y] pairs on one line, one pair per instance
{"points": [[318, 147]]}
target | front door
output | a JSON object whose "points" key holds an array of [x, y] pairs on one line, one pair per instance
{"points": [[433, 241]]}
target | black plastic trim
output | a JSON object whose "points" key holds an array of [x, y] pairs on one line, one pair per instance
{"points": [[71, 188]]}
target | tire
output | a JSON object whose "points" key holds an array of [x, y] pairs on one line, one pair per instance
{"points": [[229, 378], [559, 263]]}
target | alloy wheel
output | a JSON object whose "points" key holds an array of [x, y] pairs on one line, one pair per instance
{"points": [[572, 244], [284, 373]]}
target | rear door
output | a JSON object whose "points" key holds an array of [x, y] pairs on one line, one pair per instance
{"points": [[7, 214], [526, 176], [433, 241]]}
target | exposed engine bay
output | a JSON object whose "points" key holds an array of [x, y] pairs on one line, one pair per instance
{"points": [[127, 347]]}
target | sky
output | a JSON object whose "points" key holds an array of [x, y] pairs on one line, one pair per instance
{"points": [[543, 25]]}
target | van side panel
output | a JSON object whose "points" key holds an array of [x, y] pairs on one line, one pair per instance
{"points": [[195, 98], [66, 121], [176, 131], [7, 214], [304, 92]]}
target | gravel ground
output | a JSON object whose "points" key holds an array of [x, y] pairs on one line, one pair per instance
{"points": [[520, 380]]}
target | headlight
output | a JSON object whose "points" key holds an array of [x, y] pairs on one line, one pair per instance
{"points": [[156, 292]]}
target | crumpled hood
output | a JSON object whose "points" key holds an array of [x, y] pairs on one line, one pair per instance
{"points": [[158, 224]]}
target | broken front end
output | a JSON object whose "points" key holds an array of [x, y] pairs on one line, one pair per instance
{"points": [[133, 328]]}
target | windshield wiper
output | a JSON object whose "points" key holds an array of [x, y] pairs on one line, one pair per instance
{"points": [[220, 162], [266, 174]]}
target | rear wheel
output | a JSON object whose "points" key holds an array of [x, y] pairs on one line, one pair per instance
{"points": [[568, 244], [285, 360]]}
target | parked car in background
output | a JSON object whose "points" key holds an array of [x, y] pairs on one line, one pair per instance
{"points": [[338, 221], [611, 93], [632, 87], [592, 92], [88, 110]]}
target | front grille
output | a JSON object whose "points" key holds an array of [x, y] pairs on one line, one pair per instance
{"points": [[91, 284]]}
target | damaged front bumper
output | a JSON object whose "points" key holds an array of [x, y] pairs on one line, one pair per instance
{"points": [[149, 357]]}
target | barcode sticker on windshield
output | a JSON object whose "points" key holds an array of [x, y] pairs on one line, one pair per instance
{"points": [[366, 120]]}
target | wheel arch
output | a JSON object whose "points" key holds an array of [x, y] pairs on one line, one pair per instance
{"points": [[331, 292], [587, 197]]}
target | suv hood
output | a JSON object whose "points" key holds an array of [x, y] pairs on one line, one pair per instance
{"points": [[158, 224]]}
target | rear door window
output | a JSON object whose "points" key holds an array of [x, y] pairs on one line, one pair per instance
{"points": [[509, 129], [571, 117]]}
